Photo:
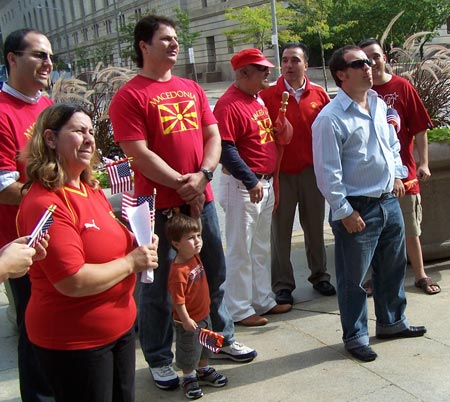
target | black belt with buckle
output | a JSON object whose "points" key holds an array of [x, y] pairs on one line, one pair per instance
{"points": [[260, 176], [362, 198]]}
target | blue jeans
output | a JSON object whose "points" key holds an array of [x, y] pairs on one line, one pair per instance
{"points": [[155, 306], [380, 245]]}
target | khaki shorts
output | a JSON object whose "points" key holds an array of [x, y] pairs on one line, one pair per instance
{"points": [[412, 214]]}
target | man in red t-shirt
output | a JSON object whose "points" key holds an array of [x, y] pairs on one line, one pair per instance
{"points": [[165, 123], [298, 185], [399, 94], [246, 190], [28, 61]]}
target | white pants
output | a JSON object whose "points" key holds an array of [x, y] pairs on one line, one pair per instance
{"points": [[247, 233]]}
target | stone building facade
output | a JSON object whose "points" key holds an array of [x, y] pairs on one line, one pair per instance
{"points": [[82, 32]]}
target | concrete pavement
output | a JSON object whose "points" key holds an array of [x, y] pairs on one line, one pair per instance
{"points": [[301, 357]]}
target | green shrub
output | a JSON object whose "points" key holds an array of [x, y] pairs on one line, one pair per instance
{"points": [[103, 179], [439, 134]]}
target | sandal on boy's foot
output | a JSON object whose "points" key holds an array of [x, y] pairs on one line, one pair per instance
{"points": [[427, 284], [192, 388], [212, 378]]}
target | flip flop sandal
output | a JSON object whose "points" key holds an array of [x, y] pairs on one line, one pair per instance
{"points": [[426, 285]]}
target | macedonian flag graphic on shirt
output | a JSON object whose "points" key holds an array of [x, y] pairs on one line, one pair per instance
{"points": [[178, 117], [262, 118]]}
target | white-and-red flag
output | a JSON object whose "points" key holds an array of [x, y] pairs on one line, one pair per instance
{"points": [[129, 201], [393, 118], [41, 229], [119, 176], [210, 339]]}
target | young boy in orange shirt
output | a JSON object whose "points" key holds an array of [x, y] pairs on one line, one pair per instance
{"points": [[189, 291]]}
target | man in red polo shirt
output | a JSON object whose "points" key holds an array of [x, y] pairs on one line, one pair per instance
{"points": [[298, 187]]}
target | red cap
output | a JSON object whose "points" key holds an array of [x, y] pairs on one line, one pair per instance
{"points": [[249, 56]]}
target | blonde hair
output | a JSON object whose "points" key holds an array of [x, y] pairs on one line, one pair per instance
{"points": [[43, 164]]}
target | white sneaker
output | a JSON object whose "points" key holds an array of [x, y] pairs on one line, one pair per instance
{"points": [[165, 377], [237, 352]]}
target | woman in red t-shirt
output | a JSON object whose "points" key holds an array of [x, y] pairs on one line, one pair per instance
{"points": [[81, 313]]}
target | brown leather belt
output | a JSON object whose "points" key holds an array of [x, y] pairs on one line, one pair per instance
{"points": [[259, 176]]}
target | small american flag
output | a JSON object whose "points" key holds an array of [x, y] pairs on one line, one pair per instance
{"points": [[129, 201], [210, 339], [393, 118], [119, 176], [41, 229]]}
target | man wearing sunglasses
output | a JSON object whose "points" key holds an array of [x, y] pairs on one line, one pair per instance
{"points": [[399, 94], [28, 62], [358, 166], [246, 191]]}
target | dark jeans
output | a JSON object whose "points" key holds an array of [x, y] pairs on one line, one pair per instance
{"points": [[102, 374], [380, 245], [155, 307], [33, 385]]}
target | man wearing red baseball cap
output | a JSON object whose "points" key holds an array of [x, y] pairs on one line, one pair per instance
{"points": [[246, 191], [249, 56]]}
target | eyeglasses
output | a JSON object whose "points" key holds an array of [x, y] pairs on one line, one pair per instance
{"points": [[39, 55], [360, 63], [259, 67]]}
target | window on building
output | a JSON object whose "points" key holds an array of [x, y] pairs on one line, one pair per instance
{"points": [[204, 3], [82, 10], [75, 38], [108, 26], [230, 46], [95, 28], [85, 34], [122, 20], [138, 13]]}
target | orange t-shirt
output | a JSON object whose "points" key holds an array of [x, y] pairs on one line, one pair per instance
{"points": [[188, 286]]}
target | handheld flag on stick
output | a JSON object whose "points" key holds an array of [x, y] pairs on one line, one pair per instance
{"points": [[129, 201], [210, 339], [393, 118], [119, 176], [140, 213], [41, 229]]}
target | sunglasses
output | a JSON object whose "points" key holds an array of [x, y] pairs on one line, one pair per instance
{"points": [[359, 63], [259, 67], [38, 55]]}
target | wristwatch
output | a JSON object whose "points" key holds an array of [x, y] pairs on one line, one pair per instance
{"points": [[208, 173]]}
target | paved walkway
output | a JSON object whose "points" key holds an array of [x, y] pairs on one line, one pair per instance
{"points": [[301, 356]]}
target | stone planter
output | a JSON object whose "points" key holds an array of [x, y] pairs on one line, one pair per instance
{"points": [[435, 193]]}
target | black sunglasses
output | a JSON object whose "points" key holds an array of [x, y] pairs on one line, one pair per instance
{"points": [[259, 67], [39, 55], [359, 63]]}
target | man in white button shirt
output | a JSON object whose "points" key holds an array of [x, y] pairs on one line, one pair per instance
{"points": [[298, 187], [358, 165]]}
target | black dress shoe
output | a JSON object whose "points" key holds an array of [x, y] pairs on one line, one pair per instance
{"points": [[284, 296], [411, 332], [325, 288], [363, 353]]}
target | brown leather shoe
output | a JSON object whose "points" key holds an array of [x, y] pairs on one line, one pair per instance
{"points": [[279, 309], [253, 320]]}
